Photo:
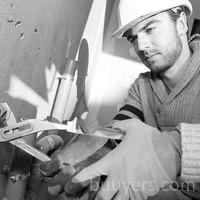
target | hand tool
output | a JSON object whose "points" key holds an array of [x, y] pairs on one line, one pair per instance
{"points": [[14, 134]]}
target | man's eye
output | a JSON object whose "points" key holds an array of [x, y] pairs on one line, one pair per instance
{"points": [[132, 38], [150, 30]]}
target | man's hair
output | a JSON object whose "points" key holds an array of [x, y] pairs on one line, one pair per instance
{"points": [[175, 13]]}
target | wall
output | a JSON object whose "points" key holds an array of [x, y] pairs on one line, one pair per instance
{"points": [[117, 69], [196, 13], [33, 35]]}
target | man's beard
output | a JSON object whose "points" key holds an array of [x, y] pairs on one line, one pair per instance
{"points": [[167, 59]]}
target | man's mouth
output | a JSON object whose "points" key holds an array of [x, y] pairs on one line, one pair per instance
{"points": [[150, 56]]}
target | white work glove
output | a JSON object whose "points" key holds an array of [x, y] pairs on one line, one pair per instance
{"points": [[130, 174]]}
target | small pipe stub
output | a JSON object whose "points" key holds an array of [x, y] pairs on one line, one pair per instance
{"points": [[70, 67]]}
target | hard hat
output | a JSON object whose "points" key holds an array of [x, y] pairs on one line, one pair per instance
{"points": [[131, 12]]}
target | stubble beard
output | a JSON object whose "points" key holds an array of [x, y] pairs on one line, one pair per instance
{"points": [[167, 59]]}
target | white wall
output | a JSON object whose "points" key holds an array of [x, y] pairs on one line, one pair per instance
{"points": [[196, 12], [117, 69]]}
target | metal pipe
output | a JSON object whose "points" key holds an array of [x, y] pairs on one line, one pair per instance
{"points": [[63, 91]]}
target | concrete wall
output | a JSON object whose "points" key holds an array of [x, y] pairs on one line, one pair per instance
{"points": [[34, 34]]}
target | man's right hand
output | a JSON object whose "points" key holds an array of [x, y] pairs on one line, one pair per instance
{"points": [[50, 145], [69, 160], [56, 174]]}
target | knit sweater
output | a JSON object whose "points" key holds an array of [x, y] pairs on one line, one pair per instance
{"points": [[149, 100]]}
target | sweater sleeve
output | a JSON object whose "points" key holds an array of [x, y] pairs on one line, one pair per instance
{"points": [[131, 107], [190, 146]]}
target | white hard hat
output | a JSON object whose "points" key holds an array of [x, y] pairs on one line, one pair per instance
{"points": [[131, 12]]}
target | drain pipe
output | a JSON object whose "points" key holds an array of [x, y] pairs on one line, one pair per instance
{"points": [[63, 91]]}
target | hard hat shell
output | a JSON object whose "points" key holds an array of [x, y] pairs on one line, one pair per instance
{"points": [[131, 12]]}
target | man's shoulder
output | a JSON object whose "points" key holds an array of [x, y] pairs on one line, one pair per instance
{"points": [[145, 76], [142, 79]]}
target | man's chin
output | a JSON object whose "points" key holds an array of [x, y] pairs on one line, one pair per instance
{"points": [[158, 69]]}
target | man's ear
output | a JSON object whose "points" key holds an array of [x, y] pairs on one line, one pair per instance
{"points": [[181, 24]]}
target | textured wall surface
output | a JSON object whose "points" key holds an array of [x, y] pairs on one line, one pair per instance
{"points": [[34, 34]]}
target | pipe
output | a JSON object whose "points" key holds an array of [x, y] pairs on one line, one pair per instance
{"points": [[63, 91], [62, 97]]}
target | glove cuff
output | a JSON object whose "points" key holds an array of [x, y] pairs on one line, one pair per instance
{"points": [[190, 145]]}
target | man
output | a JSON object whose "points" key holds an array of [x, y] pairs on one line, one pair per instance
{"points": [[147, 163]]}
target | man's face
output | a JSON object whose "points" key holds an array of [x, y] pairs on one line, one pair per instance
{"points": [[157, 42]]}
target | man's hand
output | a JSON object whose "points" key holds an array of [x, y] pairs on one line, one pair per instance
{"points": [[50, 145], [69, 160], [56, 174], [130, 172]]}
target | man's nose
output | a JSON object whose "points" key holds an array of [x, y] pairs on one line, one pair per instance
{"points": [[143, 42]]}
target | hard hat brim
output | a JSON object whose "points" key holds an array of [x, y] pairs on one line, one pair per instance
{"points": [[119, 32]]}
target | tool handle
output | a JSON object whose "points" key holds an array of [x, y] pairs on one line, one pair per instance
{"points": [[15, 131]]}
